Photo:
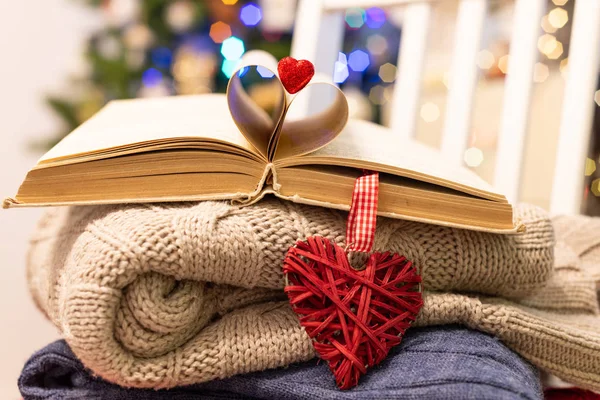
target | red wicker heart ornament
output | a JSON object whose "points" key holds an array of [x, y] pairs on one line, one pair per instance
{"points": [[354, 317], [295, 74]]}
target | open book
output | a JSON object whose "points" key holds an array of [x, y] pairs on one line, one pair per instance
{"points": [[244, 145]]}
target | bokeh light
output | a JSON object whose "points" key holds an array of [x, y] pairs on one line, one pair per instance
{"points": [[557, 52], [138, 37], [590, 166], [162, 57], [473, 157], [503, 63], [558, 17], [564, 66], [135, 59], [377, 95], [340, 69], [595, 186], [387, 72], [560, 2], [540, 72], [375, 17], [219, 31], [109, 47], [359, 60], [430, 112], [264, 72], [158, 90], [597, 97], [193, 68], [232, 48], [180, 15], [340, 72], [547, 43], [229, 2], [547, 26], [243, 71], [377, 45], [485, 59], [151, 77], [250, 14], [229, 67], [355, 17]]}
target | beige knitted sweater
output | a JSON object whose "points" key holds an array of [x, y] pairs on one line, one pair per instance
{"points": [[175, 294]]}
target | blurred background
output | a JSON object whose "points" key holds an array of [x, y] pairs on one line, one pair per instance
{"points": [[62, 60]]}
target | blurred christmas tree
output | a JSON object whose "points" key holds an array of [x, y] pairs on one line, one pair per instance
{"points": [[162, 47]]}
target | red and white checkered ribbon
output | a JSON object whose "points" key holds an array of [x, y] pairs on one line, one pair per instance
{"points": [[360, 228]]}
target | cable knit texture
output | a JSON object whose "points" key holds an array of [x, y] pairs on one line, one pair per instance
{"points": [[163, 295]]}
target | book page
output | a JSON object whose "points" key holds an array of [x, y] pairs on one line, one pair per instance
{"points": [[257, 102], [364, 144], [326, 117], [126, 122]]}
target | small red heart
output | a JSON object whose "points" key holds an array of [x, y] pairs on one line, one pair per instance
{"points": [[353, 317], [295, 74]]}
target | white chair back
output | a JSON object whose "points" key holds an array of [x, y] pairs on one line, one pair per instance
{"points": [[320, 27]]}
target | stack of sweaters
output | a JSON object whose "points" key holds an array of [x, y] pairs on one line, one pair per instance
{"points": [[185, 300]]}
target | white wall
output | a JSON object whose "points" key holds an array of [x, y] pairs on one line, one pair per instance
{"points": [[39, 42]]}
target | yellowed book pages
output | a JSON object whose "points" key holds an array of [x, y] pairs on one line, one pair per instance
{"points": [[240, 146], [364, 144], [123, 123]]}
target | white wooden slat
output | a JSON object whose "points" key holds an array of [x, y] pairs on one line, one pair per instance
{"points": [[321, 40], [308, 21], [344, 4], [517, 93], [578, 104], [463, 78], [411, 59]]}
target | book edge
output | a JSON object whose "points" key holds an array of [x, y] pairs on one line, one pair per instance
{"points": [[250, 199], [518, 226]]}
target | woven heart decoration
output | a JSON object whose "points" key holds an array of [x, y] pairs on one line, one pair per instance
{"points": [[353, 317], [295, 74]]}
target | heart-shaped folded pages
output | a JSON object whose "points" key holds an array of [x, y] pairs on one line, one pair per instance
{"points": [[258, 104], [353, 317]]}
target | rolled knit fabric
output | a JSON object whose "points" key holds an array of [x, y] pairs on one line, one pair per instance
{"points": [[164, 295]]}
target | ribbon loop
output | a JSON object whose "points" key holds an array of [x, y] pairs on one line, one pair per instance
{"points": [[362, 219]]}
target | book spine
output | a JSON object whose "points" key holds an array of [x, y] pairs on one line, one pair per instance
{"points": [[267, 184], [9, 202]]}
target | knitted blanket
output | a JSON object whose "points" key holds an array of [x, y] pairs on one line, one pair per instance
{"points": [[156, 296]]}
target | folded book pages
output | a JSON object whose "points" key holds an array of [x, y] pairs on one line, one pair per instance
{"points": [[247, 143]]}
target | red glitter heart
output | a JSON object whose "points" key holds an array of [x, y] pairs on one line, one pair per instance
{"points": [[354, 317], [295, 74]]}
